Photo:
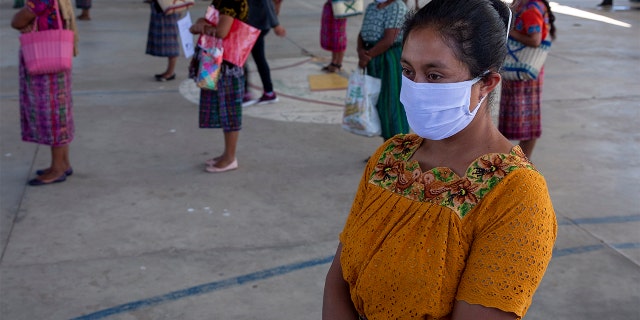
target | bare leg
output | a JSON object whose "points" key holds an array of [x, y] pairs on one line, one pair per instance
{"points": [[336, 57], [84, 15], [170, 73], [229, 154], [336, 62], [171, 67], [59, 164], [527, 147]]}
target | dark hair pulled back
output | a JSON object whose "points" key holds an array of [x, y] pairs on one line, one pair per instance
{"points": [[476, 30], [552, 19]]}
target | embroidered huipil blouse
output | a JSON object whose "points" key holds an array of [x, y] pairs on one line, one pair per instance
{"points": [[415, 241]]}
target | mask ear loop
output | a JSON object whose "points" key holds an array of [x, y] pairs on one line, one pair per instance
{"points": [[509, 23]]}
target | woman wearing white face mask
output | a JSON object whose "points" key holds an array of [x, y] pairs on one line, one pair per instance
{"points": [[452, 222]]}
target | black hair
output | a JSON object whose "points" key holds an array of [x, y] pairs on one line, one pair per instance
{"points": [[476, 30], [552, 20]]}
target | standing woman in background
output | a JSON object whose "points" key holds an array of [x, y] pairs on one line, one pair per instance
{"points": [[262, 15], [46, 106], [333, 37], [85, 6], [379, 49], [162, 39], [520, 100], [222, 108]]}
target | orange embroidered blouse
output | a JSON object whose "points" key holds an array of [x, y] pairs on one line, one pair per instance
{"points": [[415, 242]]}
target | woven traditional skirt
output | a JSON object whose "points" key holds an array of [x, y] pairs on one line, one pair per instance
{"points": [[222, 108], [386, 67], [520, 109], [162, 40], [46, 115], [333, 32], [83, 4]]}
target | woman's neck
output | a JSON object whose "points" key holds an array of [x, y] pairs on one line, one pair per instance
{"points": [[459, 151]]}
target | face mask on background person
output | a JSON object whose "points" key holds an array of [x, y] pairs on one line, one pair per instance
{"points": [[381, 1], [437, 111]]}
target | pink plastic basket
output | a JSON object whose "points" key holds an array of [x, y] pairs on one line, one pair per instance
{"points": [[48, 51]]}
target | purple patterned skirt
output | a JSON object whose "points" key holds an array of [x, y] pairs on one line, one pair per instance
{"points": [[519, 117], [333, 32], [46, 105]]}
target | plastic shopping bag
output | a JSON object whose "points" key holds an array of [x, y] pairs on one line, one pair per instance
{"points": [[360, 113], [239, 42], [210, 62], [346, 8], [175, 6], [206, 63]]}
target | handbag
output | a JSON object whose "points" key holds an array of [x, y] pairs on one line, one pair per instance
{"points": [[360, 114], [209, 64], [524, 62], [346, 8], [239, 42], [48, 51], [175, 6]]}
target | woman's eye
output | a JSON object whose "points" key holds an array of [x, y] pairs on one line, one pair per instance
{"points": [[407, 73], [433, 77]]}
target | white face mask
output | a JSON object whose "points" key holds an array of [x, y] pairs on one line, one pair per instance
{"points": [[381, 1], [437, 111]]}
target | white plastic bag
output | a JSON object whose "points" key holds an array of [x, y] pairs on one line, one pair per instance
{"points": [[360, 113]]}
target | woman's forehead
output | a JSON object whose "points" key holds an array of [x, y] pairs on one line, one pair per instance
{"points": [[427, 44]]}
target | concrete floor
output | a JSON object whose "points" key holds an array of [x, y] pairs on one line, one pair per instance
{"points": [[141, 232]]}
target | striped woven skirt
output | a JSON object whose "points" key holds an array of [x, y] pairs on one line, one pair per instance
{"points": [[387, 68], [162, 40], [83, 4], [333, 32], [222, 108], [46, 105], [519, 117]]}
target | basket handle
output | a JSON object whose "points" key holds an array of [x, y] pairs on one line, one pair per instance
{"points": [[55, 5]]}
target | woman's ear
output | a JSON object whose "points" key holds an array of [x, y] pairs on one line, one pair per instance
{"points": [[489, 82]]}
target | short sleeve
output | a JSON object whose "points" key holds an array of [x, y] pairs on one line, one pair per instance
{"points": [[531, 20], [395, 15], [238, 9], [45, 13], [514, 235], [39, 7]]}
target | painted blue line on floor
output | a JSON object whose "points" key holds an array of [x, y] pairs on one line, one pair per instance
{"points": [[600, 220], [628, 245], [575, 250], [205, 288], [583, 249], [269, 273]]}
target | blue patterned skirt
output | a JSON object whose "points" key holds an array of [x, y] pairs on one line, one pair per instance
{"points": [[83, 4], [162, 40], [222, 108]]}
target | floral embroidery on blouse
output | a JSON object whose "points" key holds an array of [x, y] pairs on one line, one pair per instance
{"points": [[442, 186]]}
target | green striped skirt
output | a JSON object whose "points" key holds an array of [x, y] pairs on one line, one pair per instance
{"points": [[387, 68]]}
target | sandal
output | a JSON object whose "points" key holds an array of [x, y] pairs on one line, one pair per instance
{"points": [[332, 67]]}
